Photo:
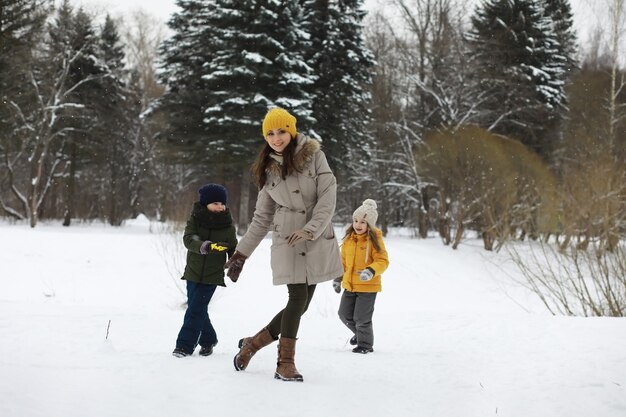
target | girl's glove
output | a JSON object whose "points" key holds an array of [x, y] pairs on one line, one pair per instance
{"points": [[235, 265], [337, 286], [366, 274]]}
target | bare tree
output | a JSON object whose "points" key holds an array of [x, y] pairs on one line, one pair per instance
{"points": [[593, 151], [143, 34], [426, 74], [574, 282], [34, 158], [617, 13], [491, 184], [433, 54]]}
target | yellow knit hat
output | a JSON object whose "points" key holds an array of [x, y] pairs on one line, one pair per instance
{"points": [[278, 118]]}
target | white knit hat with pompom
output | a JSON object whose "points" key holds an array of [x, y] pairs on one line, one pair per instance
{"points": [[367, 211]]}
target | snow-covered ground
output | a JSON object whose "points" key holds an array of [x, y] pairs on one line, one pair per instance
{"points": [[454, 337]]}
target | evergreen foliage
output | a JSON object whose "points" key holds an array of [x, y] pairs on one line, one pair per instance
{"points": [[521, 65], [343, 65], [227, 63], [560, 12], [117, 110], [183, 56], [258, 64], [21, 22]]}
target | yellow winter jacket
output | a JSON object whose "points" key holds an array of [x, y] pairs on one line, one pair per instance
{"points": [[353, 257]]}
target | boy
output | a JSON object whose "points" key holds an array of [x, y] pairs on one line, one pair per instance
{"points": [[209, 236]]}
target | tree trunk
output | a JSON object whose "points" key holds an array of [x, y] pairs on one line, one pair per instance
{"points": [[69, 195], [32, 194], [443, 220], [114, 204], [422, 222]]}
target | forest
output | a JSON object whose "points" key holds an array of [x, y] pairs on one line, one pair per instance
{"points": [[492, 119]]}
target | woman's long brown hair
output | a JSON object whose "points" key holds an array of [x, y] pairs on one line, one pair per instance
{"points": [[259, 167], [370, 233]]}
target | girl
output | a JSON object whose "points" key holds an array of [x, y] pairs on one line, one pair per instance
{"points": [[364, 259], [296, 201]]}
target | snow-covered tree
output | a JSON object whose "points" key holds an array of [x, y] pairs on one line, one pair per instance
{"points": [[36, 155], [421, 83], [117, 112], [343, 65], [183, 56], [20, 24], [560, 12], [520, 66], [152, 183], [81, 120], [258, 64], [226, 64]]}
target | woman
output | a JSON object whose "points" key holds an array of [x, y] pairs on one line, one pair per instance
{"points": [[296, 201]]}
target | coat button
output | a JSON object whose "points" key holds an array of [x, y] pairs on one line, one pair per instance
{"points": [[302, 253], [297, 191]]}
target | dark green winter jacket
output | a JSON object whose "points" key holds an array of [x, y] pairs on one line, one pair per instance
{"points": [[216, 227]]}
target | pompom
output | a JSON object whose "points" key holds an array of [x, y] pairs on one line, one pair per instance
{"points": [[370, 203]]}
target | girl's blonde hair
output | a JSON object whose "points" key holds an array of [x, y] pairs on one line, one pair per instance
{"points": [[371, 234]]}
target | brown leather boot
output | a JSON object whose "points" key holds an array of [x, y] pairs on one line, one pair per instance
{"points": [[249, 346], [286, 367]]}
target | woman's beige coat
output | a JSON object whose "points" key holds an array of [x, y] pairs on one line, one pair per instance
{"points": [[304, 200]]}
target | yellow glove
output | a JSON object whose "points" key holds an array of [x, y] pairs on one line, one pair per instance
{"points": [[213, 247]]}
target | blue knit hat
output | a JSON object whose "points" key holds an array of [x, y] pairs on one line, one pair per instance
{"points": [[212, 193]]}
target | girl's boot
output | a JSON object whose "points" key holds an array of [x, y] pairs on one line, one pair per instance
{"points": [[286, 367], [248, 346]]}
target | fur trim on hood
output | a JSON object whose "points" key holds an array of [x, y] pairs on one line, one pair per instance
{"points": [[305, 149]]}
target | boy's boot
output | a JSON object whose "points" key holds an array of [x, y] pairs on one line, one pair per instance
{"points": [[248, 346], [286, 367]]}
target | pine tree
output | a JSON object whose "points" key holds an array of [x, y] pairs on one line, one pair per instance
{"points": [[343, 65], [227, 63], [183, 56], [560, 12], [520, 69], [21, 22], [74, 35], [258, 65], [116, 112]]}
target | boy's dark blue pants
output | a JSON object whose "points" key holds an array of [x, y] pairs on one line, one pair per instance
{"points": [[197, 327]]}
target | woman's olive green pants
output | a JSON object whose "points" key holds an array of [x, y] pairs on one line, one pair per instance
{"points": [[287, 321]]}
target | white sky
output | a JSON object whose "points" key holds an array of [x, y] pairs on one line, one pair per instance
{"points": [[160, 8], [587, 13]]}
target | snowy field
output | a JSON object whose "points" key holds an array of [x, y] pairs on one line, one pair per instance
{"points": [[455, 337]]}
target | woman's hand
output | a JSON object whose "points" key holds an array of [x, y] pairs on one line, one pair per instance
{"points": [[298, 235], [235, 265]]}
